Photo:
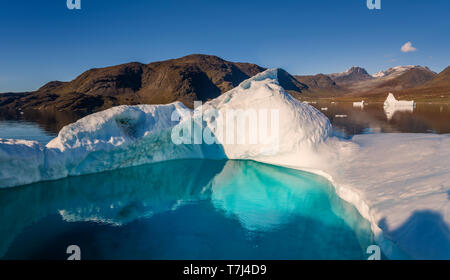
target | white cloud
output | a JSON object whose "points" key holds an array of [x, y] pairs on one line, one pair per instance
{"points": [[408, 48]]}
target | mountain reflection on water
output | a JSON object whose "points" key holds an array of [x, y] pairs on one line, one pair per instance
{"points": [[372, 118]]}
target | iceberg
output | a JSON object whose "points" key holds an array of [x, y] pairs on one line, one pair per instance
{"points": [[403, 194], [392, 105], [126, 136], [359, 104]]}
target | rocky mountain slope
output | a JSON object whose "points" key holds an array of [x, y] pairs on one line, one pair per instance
{"points": [[193, 77], [320, 85], [442, 80], [437, 87]]}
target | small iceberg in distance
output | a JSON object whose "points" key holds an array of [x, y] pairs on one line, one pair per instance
{"points": [[359, 104], [392, 101], [392, 105]]}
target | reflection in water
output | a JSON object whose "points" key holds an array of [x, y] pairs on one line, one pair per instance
{"points": [[187, 209], [424, 118], [115, 198], [50, 121], [391, 110], [24, 130]]}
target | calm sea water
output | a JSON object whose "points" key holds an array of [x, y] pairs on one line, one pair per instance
{"points": [[349, 120], [25, 130], [187, 209]]}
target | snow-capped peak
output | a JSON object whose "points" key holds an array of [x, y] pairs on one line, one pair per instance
{"points": [[396, 70], [351, 70]]}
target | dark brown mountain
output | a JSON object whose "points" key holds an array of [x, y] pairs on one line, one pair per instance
{"points": [[437, 87], [352, 75], [440, 82], [320, 85], [193, 77]]}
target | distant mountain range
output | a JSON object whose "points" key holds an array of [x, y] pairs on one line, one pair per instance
{"points": [[203, 77], [356, 82]]}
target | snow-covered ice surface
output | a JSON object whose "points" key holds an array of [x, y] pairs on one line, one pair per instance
{"points": [[399, 182]]}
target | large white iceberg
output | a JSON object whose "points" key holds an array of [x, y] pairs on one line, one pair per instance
{"points": [[402, 190], [126, 136]]}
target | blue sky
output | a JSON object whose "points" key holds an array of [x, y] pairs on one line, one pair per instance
{"points": [[41, 40]]}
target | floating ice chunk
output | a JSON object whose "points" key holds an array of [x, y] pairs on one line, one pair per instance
{"points": [[310, 102], [359, 104], [392, 101], [392, 105], [340, 116]]}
